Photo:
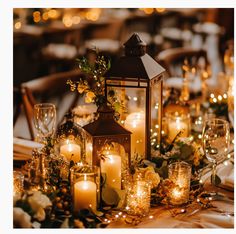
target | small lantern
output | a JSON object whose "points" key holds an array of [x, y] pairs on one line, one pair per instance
{"points": [[70, 140], [108, 146], [136, 82]]}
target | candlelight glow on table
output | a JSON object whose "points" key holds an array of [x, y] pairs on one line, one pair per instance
{"points": [[180, 174]]}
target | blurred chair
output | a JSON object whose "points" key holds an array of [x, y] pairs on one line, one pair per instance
{"points": [[53, 89], [173, 59], [60, 49], [17, 104], [104, 36]]}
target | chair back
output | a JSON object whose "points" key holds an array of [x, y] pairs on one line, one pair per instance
{"points": [[173, 59], [53, 89]]}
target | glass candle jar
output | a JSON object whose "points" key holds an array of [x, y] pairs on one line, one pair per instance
{"points": [[85, 187], [180, 174], [138, 194], [18, 182], [178, 122]]}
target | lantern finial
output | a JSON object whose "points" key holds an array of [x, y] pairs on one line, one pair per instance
{"points": [[135, 46]]}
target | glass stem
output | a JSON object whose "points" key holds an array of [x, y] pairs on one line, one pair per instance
{"points": [[214, 173]]}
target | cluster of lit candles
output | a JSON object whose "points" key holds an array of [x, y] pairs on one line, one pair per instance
{"points": [[85, 189]]}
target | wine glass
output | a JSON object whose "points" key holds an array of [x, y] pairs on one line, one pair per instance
{"points": [[44, 120], [216, 140]]}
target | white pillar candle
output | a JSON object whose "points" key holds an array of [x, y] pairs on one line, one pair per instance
{"points": [[175, 126], [135, 123], [111, 166], [85, 195], [71, 151]]}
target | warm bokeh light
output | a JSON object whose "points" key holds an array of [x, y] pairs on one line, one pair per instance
{"points": [[67, 20], [18, 25], [160, 10], [148, 11], [76, 19]]}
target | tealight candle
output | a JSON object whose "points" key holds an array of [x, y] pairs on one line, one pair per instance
{"points": [[180, 174], [71, 151], [111, 166], [18, 182], [138, 198], [135, 122], [177, 123]]}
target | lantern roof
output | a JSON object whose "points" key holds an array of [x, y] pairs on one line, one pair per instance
{"points": [[105, 125], [136, 63]]}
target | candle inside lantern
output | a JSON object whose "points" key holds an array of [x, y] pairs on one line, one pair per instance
{"points": [[135, 123], [71, 151], [85, 195], [111, 166], [138, 198], [177, 123], [180, 174]]}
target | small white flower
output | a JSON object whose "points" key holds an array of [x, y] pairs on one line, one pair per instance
{"points": [[38, 203], [36, 224], [39, 200], [21, 218]]}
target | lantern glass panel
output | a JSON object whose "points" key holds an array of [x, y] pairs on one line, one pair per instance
{"points": [[89, 149], [156, 112], [130, 103]]}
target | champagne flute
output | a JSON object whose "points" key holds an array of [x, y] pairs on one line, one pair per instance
{"points": [[216, 140], [44, 120]]}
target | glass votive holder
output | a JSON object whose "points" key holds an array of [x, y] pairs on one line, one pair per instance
{"points": [[178, 122], [18, 182], [179, 173], [85, 187], [138, 195]]}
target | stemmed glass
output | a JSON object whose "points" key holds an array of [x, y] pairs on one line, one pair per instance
{"points": [[44, 120], [216, 140]]}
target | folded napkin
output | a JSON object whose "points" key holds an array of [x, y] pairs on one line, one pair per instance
{"points": [[226, 173], [215, 220], [23, 148]]}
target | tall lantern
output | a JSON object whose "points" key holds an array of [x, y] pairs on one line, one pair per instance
{"points": [[108, 146], [136, 80]]}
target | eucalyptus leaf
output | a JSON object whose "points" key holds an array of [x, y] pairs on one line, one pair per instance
{"points": [[110, 196], [121, 194], [186, 151], [98, 213], [149, 163], [217, 180]]}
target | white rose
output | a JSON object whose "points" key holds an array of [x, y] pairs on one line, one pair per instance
{"points": [[39, 200], [21, 218], [152, 177], [40, 214]]}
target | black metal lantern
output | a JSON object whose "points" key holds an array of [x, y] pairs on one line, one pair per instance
{"points": [[108, 146], [136, 82]]}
